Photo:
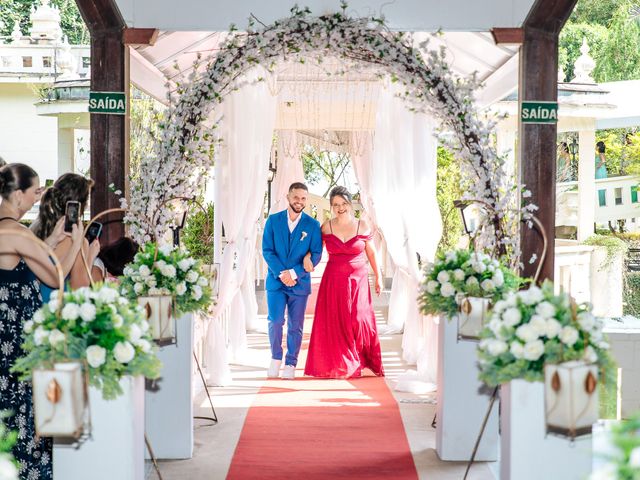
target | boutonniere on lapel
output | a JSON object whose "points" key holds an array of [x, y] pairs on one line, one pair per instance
{"points": [[304, 234]]}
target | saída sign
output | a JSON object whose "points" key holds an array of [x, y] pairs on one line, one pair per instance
{"points": [[539, 112], [111, 103]]}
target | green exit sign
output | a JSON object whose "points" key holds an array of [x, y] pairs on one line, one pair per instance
{"points": [[539, 112], [111, 103]]}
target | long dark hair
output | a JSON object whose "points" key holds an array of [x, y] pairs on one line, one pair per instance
{"points": [[69, 187], [14, 177]]}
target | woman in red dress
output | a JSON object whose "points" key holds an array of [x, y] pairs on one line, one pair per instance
{"points": [[344, 338]]}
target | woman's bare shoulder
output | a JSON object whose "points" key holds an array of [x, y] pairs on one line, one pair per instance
{"points": [[365, 228], [326, 226]]}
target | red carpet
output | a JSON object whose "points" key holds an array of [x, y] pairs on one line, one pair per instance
{"points": [[323, 429]]}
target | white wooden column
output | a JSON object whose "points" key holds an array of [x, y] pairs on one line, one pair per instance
{"points": [[587, 195], [66, 149]]}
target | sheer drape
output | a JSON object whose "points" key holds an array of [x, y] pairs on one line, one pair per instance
{"points": [[398, 181], [289, 169], [241, 181]]}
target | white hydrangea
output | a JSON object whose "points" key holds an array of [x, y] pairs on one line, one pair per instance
{"points": [[145, 271], [166, 249], [192, 276], [533, 350], [458, 274], [135, 333], [487, 285], [545, 309], [181, 288], [497, 347], [447, 290], [70, 311], [451, 256], [471, 282], [138, 288], [554, 327], [88, 312], [124, 352], [117, 321], [108, 295], [517, 350], [150, 282], [38, 317], [590, 354], [96, 356], [479, 267], [144, 345], [203, 282], [56, 337], [526, 333], [196, 292], [498, 278], [586, 321], [8, 470], [40, 335], [500, 306], [184, 264], [28, 326], [539, 325], [168, 271], [511, 317]]}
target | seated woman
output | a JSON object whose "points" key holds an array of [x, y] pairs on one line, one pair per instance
{"points": [[69, 187], [112, 259]]}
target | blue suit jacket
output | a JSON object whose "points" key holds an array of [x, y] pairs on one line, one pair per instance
{"points": [[284, 251]]}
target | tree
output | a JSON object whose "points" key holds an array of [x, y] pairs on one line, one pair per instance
{"points": [[146, 116], [621, 52], [12, 11], [571, 40], [319, 165], [597, 12], [448, 190]]}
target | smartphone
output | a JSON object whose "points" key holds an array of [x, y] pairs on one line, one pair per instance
{"points": [[48, 182], [94, 231], [71, 215]]}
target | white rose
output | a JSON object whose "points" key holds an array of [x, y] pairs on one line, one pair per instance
{"points": [[166, 249], [497, 347], [108, 295], [196, 292], [553, 328], [56, 337], [539, 324], [192, 276], [160, 263], [54, 294], [458, 274], [498, 278], [135, 333], [517, 350], [127, 271], [184, 264], [511, 317], [533, 350], [203, 282], [586, 321], [181, 288], [38, 317], [144, 326], [124, 352], [443, 276], [533, 295], [634, 458], [87, 311], [495, 325], [155, 291], [487, 285], [144, 271], [479, 267], [70, 311], [526, 333], [138, 288], [471, 282], [569, 335], [451, 257], [40, 335], [117, 321], [150, 281], [8, 470], [590, 354], [144, 345], [447, 290], [546, 310], [28, 326], [500, 306], [511, 300], [96, 356], [168, 271]]}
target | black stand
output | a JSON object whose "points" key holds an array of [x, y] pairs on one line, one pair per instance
{"points": [[213, 419], [153, 457], [494, 395]]}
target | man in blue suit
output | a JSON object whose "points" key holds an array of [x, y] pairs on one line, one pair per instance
{"points": [[288, 236]]}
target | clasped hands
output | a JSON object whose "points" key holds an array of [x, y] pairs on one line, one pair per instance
{"points": [[286, 278]]}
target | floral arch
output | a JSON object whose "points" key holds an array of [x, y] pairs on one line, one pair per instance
{"points": [[186, 148]]}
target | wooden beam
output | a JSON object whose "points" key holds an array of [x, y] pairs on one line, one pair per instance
{"points": [[140, 36], [108, 132], [537, 142], [507, 36]]}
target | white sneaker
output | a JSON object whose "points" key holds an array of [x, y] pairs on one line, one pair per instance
{"points": [[274, 369], [289, 372]]}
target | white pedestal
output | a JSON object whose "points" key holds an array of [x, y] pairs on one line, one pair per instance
{"points": [[116, 447], [527, 453], [169, 410], [462, 400]]}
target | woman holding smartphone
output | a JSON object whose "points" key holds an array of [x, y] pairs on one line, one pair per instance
{"points": [[23, 267], [68, 196]]}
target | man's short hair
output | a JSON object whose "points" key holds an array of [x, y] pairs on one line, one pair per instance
{"points": [[298, 186]]}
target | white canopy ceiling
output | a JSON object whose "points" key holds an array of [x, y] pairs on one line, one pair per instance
{"points": [[402, 15]]}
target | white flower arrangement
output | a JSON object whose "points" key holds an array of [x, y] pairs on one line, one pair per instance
{"points": [[461, 273], [95, 324], [532, 327], [185, 152], [8, 465], [167, 271]]}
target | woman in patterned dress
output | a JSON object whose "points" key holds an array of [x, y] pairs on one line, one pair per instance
{"points": [[22, 265]]}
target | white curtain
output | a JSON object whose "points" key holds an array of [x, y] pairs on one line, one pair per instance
{"points": [[248, 119], [398, 182], [289, 169]]}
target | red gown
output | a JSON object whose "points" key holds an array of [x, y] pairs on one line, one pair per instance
{"points": [[344, 337]]}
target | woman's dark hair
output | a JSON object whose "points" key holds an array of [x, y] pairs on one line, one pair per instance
{"points": [[69, 187], [340, 192], [600, 147], [564, 148], [117, 255], [15, 176]]}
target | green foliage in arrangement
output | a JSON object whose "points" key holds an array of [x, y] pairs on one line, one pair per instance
{"points": [[197, 235], [95, 324], [167, 270]]}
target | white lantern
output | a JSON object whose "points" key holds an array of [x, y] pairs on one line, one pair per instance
{"points": [[472, 317], [571, 398], [60, 400], [159, 312]]}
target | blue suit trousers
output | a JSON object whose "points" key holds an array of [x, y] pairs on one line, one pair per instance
{"points": [[295, 305]]}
